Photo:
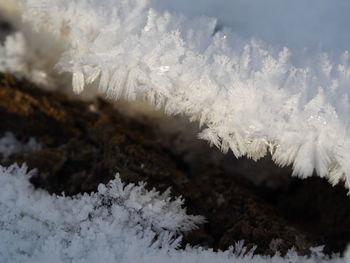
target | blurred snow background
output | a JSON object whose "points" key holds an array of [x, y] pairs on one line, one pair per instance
{"points": [[320, 24]]}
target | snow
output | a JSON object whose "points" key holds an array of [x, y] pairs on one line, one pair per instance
{"points": [[12, 53], [248, 96], [119, 223], [17, 57], [109, 224]]}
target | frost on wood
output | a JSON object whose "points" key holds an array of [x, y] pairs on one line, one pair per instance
{"points": [[248, 97], [119, 223]]}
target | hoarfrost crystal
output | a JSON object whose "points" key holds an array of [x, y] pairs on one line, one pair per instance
{"points": [[248, 97]]}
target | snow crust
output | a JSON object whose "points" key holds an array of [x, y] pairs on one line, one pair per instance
{"points": [[119, 223]]}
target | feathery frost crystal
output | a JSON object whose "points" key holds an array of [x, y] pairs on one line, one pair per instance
{"points": [[36, 226], [247, 96], [119, 223]]}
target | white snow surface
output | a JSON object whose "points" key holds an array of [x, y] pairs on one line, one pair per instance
{"points": [[120, 223], [250, 97]]}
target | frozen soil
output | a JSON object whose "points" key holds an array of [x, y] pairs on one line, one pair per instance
{"points": [[87, 143]]}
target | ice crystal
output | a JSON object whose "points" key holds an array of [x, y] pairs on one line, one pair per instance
{"points": [[109, 223], [247, 96], [118, 223]]}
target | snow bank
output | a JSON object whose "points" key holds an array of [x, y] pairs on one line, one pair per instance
{"points": [[119, 223]]}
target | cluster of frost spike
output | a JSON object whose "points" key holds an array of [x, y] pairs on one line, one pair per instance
{"points": [[247, 97], [119, 223], [35, 225]]}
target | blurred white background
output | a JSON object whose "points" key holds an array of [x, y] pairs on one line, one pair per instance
{"points": [[314, 24]]}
